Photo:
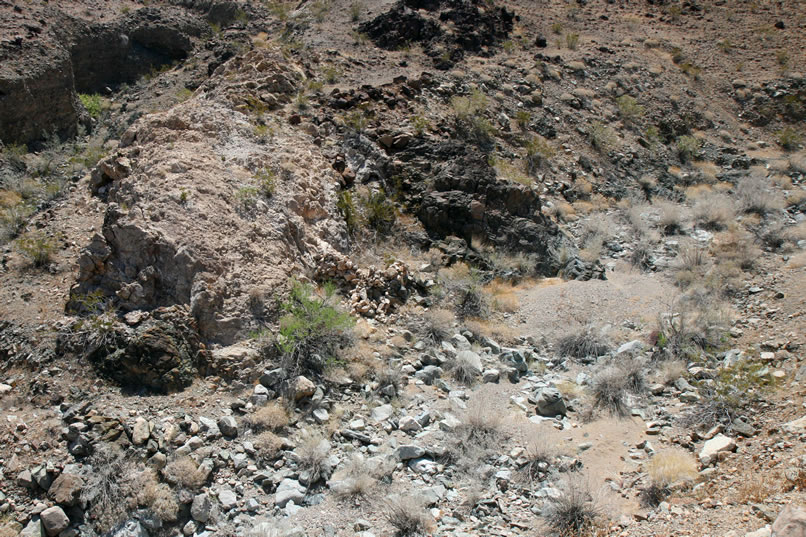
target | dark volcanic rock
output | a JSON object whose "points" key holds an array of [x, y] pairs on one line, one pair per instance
{"points": [[159, 350], [473, 24]]}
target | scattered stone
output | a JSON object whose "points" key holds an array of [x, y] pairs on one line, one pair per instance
{"points": [[201, 507], [228, 426], [320, 415], [491, 376], [227, 498], [713, 447], [409, 424], [382, 413]]}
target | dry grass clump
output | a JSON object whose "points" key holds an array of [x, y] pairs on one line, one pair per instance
{"points": [[478, 435], [438, 325], [757, 488], [462, 370], [669, 371], [755, 196], [587, 342], [158, 497], [268, 445], [609, 391], [576, 511], [356, 479], [500, 332], [184, 472], [311, 454], [502, 296], [736, 246], [671, 217], [672, 466], [408, 516], [271, 417], [714, 211], [539, 455], [697, 322]]}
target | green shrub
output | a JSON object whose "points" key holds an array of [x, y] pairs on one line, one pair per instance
{"points": [[266, 181], [312, 330], [94, 104], [572, 41], [420, 123], [688, 147], [788, 138], [602, 137], [538, 151], [348, 209], [380, 212], [629, 108], [734, 389], [37, 247], [356, 8]]}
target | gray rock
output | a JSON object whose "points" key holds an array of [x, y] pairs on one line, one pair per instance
{"points": [[228, 426], [289, 490], [227, 498], [32, 529], [409, 424], [273, 377], [140, 432], [382, 413], [409, 451], [739, 426], [54, 520], [209, 427], [460, 342], [491, 376], [429, 374], [515, 359], [631, 348], [320, 415], [201, 507], [25, 479], [550, 403], [189, 528]]}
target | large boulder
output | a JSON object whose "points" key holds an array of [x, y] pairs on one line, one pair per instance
{"points": [[54, 520], [158, 350], [791, 522], [66, 489], [550, 403]]}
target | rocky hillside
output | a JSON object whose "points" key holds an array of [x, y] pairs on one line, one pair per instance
{"points": [[441, 267]]}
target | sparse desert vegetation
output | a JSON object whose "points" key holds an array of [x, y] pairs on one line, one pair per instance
{"points": [[402, 268]]}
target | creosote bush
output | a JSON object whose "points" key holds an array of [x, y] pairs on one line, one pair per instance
{"points": [[312, 330], [37, 247], [688, 147]]}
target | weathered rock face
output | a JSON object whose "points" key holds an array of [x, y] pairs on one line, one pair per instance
{"points": [[113, 53], [41, 72], [446, 28], [159, 350], [39, 97], [204, 212]]}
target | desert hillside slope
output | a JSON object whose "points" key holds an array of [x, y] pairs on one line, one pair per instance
{"points": [[413, 267]]}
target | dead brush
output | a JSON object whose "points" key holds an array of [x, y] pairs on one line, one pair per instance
{"points": [[108, 486], [311, 454], [589, 341], [609, 390], [757, 488], [539, 455], [271, 417], [408, 516], [665, 470], [755, 196], [356, 479], [437, 326], [477, 437], [184, 471], [576, 511], [714, 211], [463, 370]]}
